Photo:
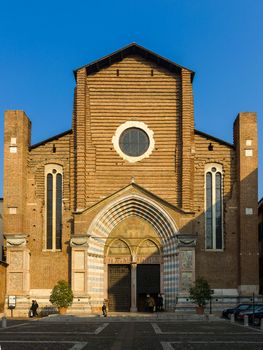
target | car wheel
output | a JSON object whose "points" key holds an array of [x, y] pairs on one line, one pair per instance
{"points": [[256, 321], [229, 316]]}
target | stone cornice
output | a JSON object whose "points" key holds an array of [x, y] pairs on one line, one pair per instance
{"points": [[79, 241], [186, 240], [16, 240]]}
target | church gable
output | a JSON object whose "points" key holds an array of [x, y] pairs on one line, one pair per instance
{"points": [[132, 50], [132, 90], [135, 90]]}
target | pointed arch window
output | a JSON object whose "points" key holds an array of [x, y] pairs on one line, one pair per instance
{"points": [[214, 207], [53, 206]]}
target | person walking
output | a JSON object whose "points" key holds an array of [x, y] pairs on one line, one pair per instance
{"points": [[104, 309], [34, 308]]}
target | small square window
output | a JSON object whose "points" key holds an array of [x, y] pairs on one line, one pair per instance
{"points": [[249, 211], [13, 149], [248, 142], [12, 210], [248, 152], [13, 141]]}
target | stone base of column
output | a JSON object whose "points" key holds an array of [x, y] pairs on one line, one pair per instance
{"points": [[133, 309]]}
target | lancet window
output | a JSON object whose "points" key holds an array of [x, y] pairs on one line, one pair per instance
{"points": [[214, 206], [53, 219]]}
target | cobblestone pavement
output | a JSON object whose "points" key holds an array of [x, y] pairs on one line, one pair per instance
{"points": [[76, 333]]}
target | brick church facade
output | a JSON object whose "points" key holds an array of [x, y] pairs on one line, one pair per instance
{"points": [[133, 200]]}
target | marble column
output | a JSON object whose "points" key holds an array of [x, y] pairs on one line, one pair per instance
{"points": [[133, 287]]}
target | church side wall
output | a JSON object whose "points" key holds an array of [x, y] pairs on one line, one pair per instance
{"points": [[220, 268], [47, 267]]}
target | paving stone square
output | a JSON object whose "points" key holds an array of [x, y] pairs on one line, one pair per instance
{"points": [[110, 334]]}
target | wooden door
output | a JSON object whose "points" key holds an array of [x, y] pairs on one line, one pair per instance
{"points": [[119, 290]]}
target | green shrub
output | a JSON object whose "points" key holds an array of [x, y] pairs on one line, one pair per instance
{"points": [[61, 295], [201, 292]]}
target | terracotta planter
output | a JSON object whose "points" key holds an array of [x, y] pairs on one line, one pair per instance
{"points": [[62, 310], [200, 310]]}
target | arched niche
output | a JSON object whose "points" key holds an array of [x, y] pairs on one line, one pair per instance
{"points": [[118, 247], [148, 248]]}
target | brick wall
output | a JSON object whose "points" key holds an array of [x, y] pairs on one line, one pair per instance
{"points": [[108, 100], [245, 136]]}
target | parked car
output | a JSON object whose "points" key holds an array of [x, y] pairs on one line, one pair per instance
{"points": [[241, 307], [256, 314]]}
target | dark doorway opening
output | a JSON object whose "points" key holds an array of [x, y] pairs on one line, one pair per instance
{"points": [[148, 282], [119, 287]]}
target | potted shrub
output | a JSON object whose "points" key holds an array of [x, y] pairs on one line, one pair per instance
{"points": [[200, 293], [61, 296]]}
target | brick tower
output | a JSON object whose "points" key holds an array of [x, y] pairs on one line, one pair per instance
{"points": [[245, 135], [16, 145]]}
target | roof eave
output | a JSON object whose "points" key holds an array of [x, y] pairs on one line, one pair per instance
{"points": [[201, 133], [53, 138], [133, 47]]}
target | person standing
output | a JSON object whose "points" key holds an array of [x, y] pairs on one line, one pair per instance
{"points": [[159, 302], [149, 303]]}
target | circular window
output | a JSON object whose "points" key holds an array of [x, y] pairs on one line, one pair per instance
{"points": [[134, 142]]}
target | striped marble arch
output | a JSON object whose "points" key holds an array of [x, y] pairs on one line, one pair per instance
{"points": [[110, 217]]}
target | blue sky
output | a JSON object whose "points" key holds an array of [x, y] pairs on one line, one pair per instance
{"points": [[41, 42]]}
